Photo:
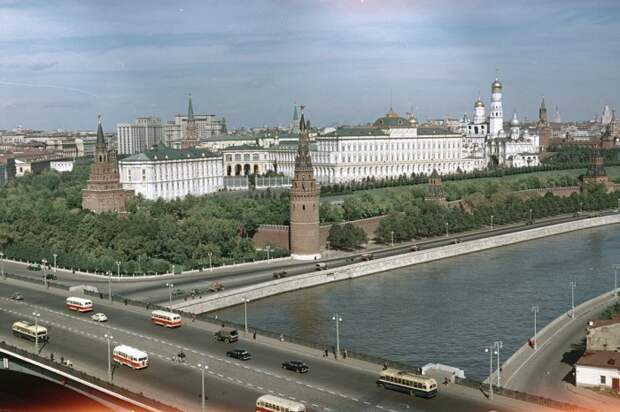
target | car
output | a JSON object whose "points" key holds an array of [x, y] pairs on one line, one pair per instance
{"points": [[99, 317], [367, 256], [279, 274], [414, 248], [320, 266], [17, 296], [34, 266], [297, 366], [241, 354], [51, 276], [215, 287], [177, 292], [456, 241]]}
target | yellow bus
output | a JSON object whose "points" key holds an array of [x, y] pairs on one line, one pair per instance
{"points": [[27, 330], [408, 382]]}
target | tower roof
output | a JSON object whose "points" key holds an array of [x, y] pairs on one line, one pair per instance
{"points": [[542, 104], [496, 85], [190, 108], [515, 120], [100, 137]]}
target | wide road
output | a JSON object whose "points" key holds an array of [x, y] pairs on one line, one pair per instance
{"points": [[231, 385], [155, 291]]}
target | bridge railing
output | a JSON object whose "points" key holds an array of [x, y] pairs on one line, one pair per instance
{"points": [[522, 396], [139, 397]]}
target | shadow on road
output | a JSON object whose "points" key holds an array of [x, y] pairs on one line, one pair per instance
{"points": [[571, 357]]}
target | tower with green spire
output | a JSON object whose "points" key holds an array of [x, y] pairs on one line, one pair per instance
{"points": [[103, 192], [190, 135]]}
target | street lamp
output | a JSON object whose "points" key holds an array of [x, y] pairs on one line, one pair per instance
{"points": [[36, 316], [392, 232], [497, 345], [170, 286], [268, 247], [572, 284], [118, 269], [531, 216], [43, 263], [490, 351], [447, 233], [491, 222], [337, 318], [202, 367], [109, 338], [109, 285], [55, 267], [245, 315], [327, 250], [535, 310], [210, 262], [2, 265], [580, 207], [615, 278]]}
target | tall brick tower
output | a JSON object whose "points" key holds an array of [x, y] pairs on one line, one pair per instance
{"points": [[103, 192], [304, 202], [190, 137], [544, 129]]}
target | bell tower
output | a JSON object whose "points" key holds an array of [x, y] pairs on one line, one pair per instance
{"points": [[304, 236]]}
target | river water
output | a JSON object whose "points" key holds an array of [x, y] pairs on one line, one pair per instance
{"points": [[448, 311]]}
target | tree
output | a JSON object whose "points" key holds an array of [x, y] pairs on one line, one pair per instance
{"points": [[346, 237]]}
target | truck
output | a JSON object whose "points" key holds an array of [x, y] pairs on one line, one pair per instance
{"points": [[228, 335]]}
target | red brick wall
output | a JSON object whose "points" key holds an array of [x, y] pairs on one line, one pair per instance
{"points": [[274, 235]]}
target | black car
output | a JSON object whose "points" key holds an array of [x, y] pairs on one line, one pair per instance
{"points": [[297, 366], [241, 354], [51, 276]]}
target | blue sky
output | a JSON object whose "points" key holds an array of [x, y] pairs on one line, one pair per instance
{"points": [[63, 62]]}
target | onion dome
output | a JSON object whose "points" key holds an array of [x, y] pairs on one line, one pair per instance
{"points": [[479, 103], [497, 85], [515, 121]]}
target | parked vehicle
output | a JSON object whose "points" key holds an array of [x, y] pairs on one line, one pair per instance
{"points": [[17, 296], [320, 266], [240, 354], [228, 335], [215, 287], [367, 256], [34, 266], [99, 317], [279, 274], [296, 366]]}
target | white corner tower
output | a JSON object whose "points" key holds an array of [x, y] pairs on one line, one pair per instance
{"points": [[496, 113]]}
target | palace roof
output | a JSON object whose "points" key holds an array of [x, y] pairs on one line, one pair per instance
{"points": [[165, 153]]}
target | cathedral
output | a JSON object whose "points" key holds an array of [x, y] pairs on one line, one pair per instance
{"points": [[485, 135]]}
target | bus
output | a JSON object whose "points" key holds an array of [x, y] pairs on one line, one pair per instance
{"points": [[167, 319], [270, 403], [27, 330], [408, 382], [134, 358], [79, 304]]}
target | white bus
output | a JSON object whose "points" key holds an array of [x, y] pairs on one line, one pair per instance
{"points": [[28, 330], [407, 382], [270, 403], [132, 357], [79, 304], [167, 319]]}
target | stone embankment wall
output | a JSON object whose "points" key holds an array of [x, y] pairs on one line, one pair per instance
{"points": [[277, 286]]}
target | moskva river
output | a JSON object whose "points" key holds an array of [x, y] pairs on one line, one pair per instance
{"points": [[449, 310]]}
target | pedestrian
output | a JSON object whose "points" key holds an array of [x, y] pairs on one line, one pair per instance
{"points": [[193, 317], [282, 337], [344, 354], [254, 335], [445, 381], [62, 360], [326, 353], [385, 366], [52, 357]]}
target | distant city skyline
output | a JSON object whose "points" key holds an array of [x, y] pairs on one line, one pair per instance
{"points": [[250, 62]]}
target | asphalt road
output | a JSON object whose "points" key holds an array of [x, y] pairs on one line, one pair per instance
{"points": [[231, 385]]}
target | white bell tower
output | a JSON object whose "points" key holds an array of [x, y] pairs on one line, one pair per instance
{"points": [[496, 113]]}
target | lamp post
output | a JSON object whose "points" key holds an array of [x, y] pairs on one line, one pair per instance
{"points": [[327, 250], [491, 222], [489, 350], [118, 269], [447, 233], [202, 367], [392, 233], [531, 216], [337, 318], [535, 310], [36, 316], [2, 264], [245, 315], [109, 338], [55, 266], [109, 285], [43, 263], [580, 207], [497, 345], [572, 284], [210, 262], [170, 286], [268, 247], [615, 278]]}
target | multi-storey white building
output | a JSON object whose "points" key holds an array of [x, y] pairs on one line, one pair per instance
{"points": [[165, 173], [393, 146], [136, 137]]}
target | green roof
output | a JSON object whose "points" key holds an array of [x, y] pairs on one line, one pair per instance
{"points": [[357, 131], [230, 137], [166, 153], [426, 131], [244, 147]]}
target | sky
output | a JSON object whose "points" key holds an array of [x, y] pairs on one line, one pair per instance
{"points": [[63, 62]]}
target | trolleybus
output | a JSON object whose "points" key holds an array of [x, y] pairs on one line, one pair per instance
{"points": [[167, 319], [28, 330], [132, 357], [79, 304], [408, 382], [270, 403]]}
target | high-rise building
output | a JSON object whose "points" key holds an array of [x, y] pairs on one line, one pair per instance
{"points": [[304, 202], [103, 192], [143, 134]]}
